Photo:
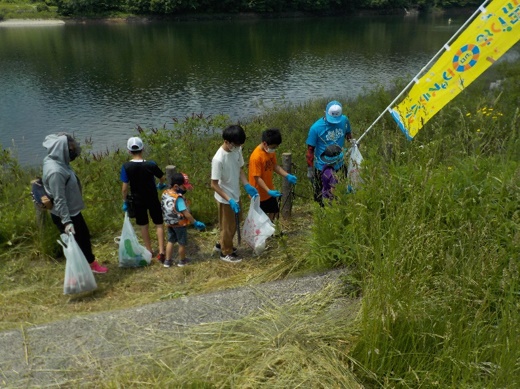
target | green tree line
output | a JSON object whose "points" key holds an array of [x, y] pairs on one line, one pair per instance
{"points": [[177, 7]]}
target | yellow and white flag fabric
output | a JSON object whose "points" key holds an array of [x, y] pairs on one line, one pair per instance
{"points": [[494, 31]]}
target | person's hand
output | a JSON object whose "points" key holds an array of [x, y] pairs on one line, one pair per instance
{"points": [[199, 225], [274, 193], [69, 228], [310, 173], [125, 206], [251, 190], [292, 179], [234, 206], [161, 185]]}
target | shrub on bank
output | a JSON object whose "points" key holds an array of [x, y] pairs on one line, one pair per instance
{"points": [[431, 243]]}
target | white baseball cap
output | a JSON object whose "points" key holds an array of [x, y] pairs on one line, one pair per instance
{"points": [[333, 112], [134, 144]]}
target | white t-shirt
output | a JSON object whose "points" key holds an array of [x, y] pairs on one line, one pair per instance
{"points": [[225, 167]]}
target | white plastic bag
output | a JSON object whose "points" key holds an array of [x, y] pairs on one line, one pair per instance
{"points": [[257, 227], [354, 167], [131, 253], [78, 274]]}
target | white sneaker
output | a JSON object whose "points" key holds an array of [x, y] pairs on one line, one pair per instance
{"points": [[232, 258]]}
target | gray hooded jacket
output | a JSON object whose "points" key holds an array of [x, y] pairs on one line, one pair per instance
{"points": [[59, 180]]}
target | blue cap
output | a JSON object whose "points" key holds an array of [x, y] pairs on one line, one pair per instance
{"points": [[333, 112]]}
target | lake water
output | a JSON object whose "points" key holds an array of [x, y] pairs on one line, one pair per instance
{"points": [[101, 81]]}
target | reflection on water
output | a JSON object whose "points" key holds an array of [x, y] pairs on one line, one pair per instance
{"points": [[103, 81]]}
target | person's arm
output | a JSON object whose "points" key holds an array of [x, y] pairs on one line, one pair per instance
{"points": [[124, 190], [279, 170], [261, 183], [310, 156], [188, 216], [348, 133], [243, 177], [216, 187], [250, 189], [57, 186], [123, 176]]}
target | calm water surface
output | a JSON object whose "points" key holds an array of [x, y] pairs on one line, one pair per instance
{"points": [[101, 81]]}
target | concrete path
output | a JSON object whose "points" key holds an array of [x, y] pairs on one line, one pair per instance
{"points": [[49, 355]]}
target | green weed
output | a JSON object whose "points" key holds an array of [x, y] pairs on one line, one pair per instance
{"points": [[430, 241]]}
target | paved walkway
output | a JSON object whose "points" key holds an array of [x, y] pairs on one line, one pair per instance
{"points": [[49, 355]]}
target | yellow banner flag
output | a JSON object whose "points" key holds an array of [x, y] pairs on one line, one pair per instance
{"points": [[494, 31]]}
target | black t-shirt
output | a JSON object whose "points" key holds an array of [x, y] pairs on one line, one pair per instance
{"points": [[141, 177]]}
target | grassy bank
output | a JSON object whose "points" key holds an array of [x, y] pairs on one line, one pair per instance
{"points": [[431, 243]]}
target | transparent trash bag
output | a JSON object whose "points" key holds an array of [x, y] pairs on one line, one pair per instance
{"points": [[78, 275], [354, 167], [257, 227], [131, 252]]}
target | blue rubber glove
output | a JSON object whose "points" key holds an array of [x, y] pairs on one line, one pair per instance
{"points": [[292, 179], [234, 206], [125, 206], [251, 190], [199, 225], [274, 193], [161, 185]]}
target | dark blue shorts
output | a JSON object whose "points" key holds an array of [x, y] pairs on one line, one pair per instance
{"points": [[178, 235]]}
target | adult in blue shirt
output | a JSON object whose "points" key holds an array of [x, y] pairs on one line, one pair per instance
{"points": [[332, 128]]}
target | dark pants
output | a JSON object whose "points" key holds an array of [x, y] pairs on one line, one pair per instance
{"points": [[318, 184], [82, 234]]}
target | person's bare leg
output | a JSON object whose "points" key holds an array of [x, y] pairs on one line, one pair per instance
{"points": [[169, 250], [182, 252], [146, 238], [160, 237]]}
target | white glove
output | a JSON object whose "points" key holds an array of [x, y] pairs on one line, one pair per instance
{"points": [[69, 229]]}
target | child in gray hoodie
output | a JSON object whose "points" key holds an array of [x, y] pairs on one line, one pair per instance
{"points": [[64, 189]]}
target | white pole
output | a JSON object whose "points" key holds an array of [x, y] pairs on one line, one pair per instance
{"points": [[416, 78]]}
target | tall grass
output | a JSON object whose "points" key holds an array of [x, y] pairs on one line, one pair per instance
{"points": [[431, 242]]}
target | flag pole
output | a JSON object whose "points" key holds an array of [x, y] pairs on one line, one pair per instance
{"points": [[416, 78]]}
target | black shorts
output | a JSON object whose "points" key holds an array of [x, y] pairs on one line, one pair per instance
{"points": [[153, 208], [270, 205]]}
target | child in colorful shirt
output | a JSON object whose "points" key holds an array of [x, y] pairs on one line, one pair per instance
{"points": [[177, 216]]}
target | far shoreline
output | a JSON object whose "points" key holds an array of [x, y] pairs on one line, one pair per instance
{"points": [[144, 19]]}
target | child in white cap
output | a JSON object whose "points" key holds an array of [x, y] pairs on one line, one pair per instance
{"points": [[139, 176]]}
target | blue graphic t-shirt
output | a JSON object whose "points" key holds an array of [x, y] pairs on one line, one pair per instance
{"points": [[323, 134]]}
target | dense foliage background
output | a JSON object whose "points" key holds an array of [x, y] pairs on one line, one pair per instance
{"points": [[79, 8]]}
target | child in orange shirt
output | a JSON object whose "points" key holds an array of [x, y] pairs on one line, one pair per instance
{"points": [[262, 164]]}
